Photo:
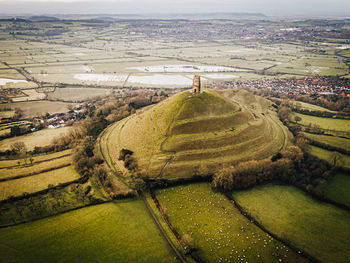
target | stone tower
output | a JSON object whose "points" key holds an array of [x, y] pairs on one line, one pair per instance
{"points": [[196, 87]]}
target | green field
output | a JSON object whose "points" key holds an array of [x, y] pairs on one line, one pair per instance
{"points": [[311, 107], [323, 123], [331, 140], [35, 168], [37, 182], [217, 229], [210, 128], [326, 155], [51, 203], [338, 189], [36, 158], [35, 138], [6, 114], [319, 228], [120, 231], [39, 108], [12, 124], [77, 94], [5, 132]]}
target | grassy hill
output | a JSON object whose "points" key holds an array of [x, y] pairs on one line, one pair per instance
{"points": [[179, 134]]}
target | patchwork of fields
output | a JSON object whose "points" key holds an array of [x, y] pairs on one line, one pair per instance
{"points": [[50, 213], [20, 176], [36, 183], [228, 236]]}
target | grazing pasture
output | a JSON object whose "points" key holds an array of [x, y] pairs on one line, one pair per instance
{"points": [[35, 138], [122, 231], [35, 183], [77, 94], [331, 140], [36, 159], [6, 114], [38, 108], [211, 224], [338, 189], [318, 228], [34, 168], [323, 123], [308, 106], [326, 155]]}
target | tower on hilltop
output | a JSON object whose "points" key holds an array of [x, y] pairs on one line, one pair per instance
{"points": [[196, 87]]}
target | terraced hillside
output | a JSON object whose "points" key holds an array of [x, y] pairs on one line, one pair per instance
{"points": [[173, 138]]}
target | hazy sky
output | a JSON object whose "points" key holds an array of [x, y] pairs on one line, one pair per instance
{"points": [[268, 7]]}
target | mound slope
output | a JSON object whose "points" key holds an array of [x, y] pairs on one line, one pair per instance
{"points": [[173, 138]]}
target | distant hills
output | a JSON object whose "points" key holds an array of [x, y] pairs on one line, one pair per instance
{"points": [[116, 17]]}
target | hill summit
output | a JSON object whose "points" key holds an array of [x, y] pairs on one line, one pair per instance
{"points": [[173, 138]]}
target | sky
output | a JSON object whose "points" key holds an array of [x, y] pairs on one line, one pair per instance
{"points": [[267, 7]]}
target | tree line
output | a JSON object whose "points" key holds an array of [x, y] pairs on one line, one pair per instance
{"points": [[291, 166]]}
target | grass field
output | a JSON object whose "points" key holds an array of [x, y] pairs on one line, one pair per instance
{"points": [[324, 123], [38, 108], [325, 155], [36, 158], [77, 94], [122, 231], [35, 168], [12, 124], [211, 128], [6, 114], [35, 138], [37, 182], [318, 228], [310, 107], [51, 203], [217, 229], [331, 140], [338, 189], [5, 132]]}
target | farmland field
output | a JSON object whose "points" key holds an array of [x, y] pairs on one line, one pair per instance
{"points": [[6, 114], [35, 168], [338, 189], [77, 94], [324, 123], [308, 224], [309, 106], [326, 155], [331, 140], [36, 158], [141, 59], [212, 225], [35, 138], [38, 108], [37, 182], [122, 231]]}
